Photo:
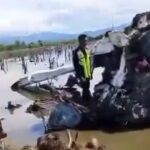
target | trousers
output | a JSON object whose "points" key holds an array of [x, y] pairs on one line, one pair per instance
{"points": [[86, 94]]}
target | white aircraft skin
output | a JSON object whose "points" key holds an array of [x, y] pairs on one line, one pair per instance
{"points": [[102, 46]]}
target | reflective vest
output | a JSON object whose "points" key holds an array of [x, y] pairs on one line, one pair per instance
{"points": [[85, 62]]}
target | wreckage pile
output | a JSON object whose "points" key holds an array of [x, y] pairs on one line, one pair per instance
{"points": [[124, 92], [121, 99]]}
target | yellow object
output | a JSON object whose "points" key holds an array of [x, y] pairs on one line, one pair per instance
{"points": [[85, 62]]}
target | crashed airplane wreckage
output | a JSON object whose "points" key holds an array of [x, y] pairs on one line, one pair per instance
{"points": [[121, 99]]}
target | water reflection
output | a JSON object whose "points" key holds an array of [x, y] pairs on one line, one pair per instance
{"points": [[51, 58], [11, 107], [24, 128]]}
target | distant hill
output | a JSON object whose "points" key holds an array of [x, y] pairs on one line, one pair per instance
{"points": [[52, 36], [44, 36], [102, 31]]}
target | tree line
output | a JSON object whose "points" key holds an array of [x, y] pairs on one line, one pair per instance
{"points": [[19, 45]]}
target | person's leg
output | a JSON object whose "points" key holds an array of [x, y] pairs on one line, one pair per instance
{"points": [[86, 94]]}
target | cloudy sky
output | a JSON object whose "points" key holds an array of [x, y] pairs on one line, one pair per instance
{"points": [[71, 16]]}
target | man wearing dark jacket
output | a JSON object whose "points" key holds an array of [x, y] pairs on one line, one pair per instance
{"points": [[83, 66]]}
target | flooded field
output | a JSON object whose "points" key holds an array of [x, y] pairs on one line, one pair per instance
{"points": [[23, 128]]}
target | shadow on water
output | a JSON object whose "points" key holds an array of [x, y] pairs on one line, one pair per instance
{"points": [[113, 128], [107, 127]]}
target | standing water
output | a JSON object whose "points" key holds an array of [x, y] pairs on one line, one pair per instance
{"points": [[23, 128]]}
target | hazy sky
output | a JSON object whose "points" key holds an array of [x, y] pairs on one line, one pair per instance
{"points": [[27, 16]]}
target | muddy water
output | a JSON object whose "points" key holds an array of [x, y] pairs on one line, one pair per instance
{"points": [[18, 125], [23, 128]]}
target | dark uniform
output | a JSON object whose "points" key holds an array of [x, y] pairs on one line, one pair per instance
{"points": [[83, 69]]}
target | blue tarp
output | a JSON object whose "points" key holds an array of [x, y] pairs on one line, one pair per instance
{"points": [[64, 115]]}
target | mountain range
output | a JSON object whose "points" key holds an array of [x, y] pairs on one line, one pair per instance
{"points": [[52, 36]]}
